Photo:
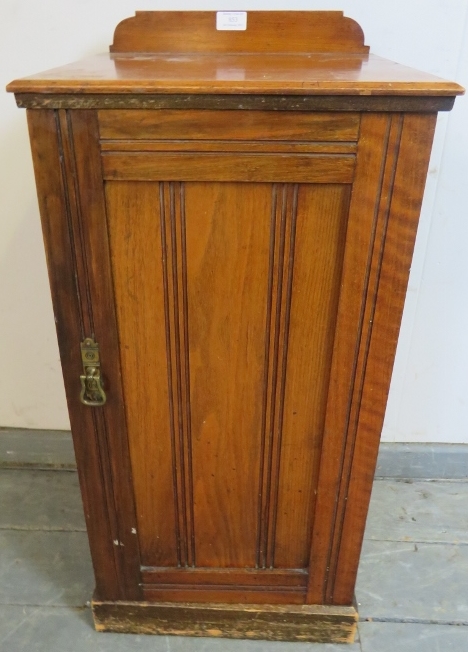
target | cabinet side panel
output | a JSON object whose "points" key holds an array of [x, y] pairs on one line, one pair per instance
{"points": [[404, 207], [228, 237], [55, 203], [136, 257], [319, 245], [363, 238]]}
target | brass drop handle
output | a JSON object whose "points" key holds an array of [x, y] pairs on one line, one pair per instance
{"points": [[92, 392]]}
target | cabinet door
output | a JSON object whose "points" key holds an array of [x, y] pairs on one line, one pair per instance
{"points": [[226, 269], [229, 265]]}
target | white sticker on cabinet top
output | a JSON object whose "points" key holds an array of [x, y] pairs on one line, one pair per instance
{"points": [[231, 20]]}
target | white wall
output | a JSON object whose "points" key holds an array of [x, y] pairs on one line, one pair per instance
{"points": [[428, 399]]}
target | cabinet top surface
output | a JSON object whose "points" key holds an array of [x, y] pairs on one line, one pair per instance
{"points": [[304, 53], [308, 74]]}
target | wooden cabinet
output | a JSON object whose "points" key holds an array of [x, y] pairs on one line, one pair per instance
{"points": [[229, 219]]}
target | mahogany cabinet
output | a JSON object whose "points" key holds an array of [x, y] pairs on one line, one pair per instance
{"points": [[229, 218]]}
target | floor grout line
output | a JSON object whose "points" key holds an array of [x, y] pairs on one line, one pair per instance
{"points": [[428, 541], [12, 466], [33, 528], [359, 634], [413, 621], [413, 480], [79, 607]]}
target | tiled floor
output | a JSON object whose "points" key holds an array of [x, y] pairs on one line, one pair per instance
{"points": [[412, 586]]}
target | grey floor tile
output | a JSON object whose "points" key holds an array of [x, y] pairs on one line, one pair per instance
{"points": [[44, 448], [389, 637], [10, 619], [187, 644], [405, 460], [40, 500], [45, 568], [47, 629], [420, 511], [402, 575], [409, 580]]}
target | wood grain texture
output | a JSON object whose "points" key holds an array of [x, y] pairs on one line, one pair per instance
{"points": [[57, 151], [220, 594], [55, 211], [201, 166], [139, 298], [334, 584], [203, 226], [92, 236], [216, 125], [227, 285], [254, 146], [225, 577], [316, 284], [402, 209], [280, 279], [267, 31], [362, 245], [233, 74], [174, 259], [275, 623], [304, 273], [361, 360]]}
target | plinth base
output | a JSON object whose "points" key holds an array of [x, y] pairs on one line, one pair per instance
{"points": [[314, 623]]}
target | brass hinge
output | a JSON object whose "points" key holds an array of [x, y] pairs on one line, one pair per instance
{"points": [[92, 392]]}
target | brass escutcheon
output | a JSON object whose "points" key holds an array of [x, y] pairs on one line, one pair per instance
{"points": [[92, 392]]}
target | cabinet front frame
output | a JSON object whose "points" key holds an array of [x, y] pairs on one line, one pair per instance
{"points": [[391, 163]]}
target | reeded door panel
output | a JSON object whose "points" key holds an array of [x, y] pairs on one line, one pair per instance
{"points": [[226, 297]]}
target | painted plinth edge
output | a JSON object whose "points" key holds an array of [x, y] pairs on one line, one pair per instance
{"points": [[311, 623]]}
